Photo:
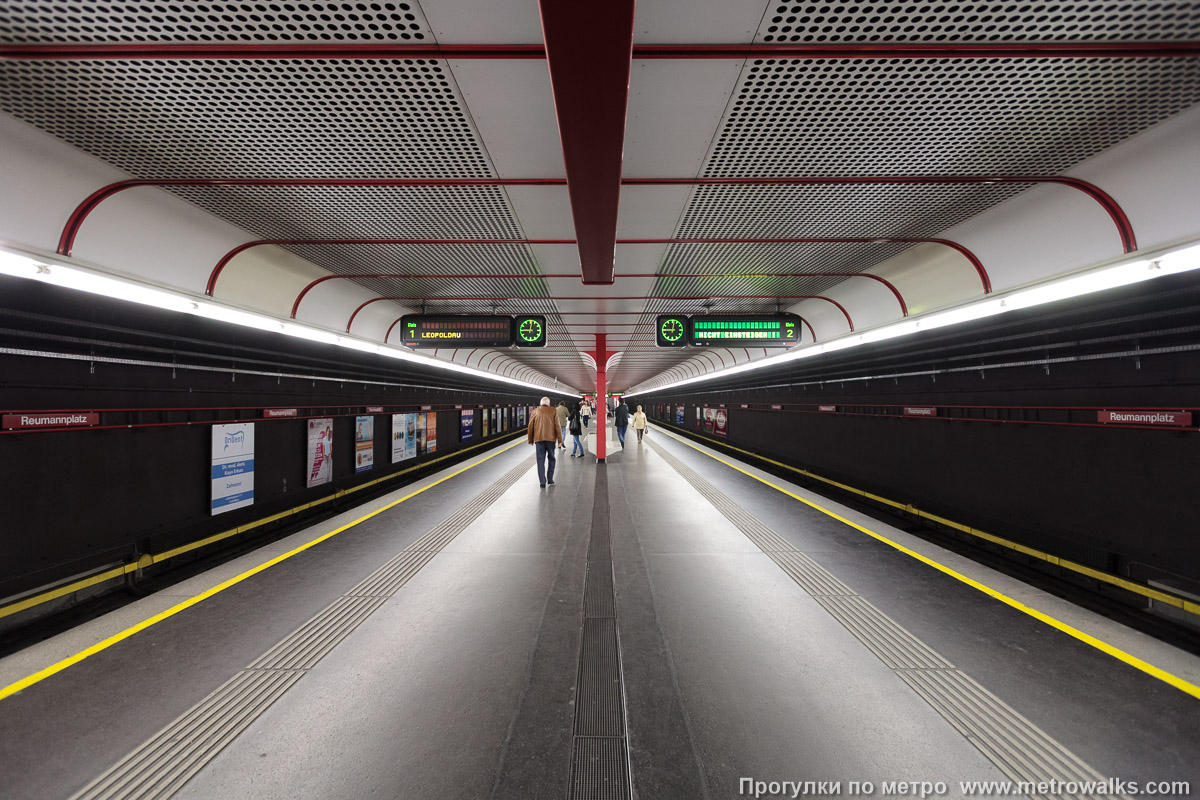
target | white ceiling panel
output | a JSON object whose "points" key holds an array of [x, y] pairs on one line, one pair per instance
{"points": [[674, 110], [639, 258], [650, 212], [572, 287], [544, 212], [513, 108], [485, 21], [697, 21]]}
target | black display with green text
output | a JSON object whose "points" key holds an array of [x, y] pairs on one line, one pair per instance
{"points": [[744, 330]]}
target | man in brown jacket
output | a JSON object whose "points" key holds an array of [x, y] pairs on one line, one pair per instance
{"points": [[545, 434]]}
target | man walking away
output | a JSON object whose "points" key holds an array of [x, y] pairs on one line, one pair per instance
{"points": [[564, 417], [621, 420], [576, 426], [639, 423], [545, 434]]}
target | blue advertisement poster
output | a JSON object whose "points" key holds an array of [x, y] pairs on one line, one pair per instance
{"points": [[232, 467], [679, 416], [467, 425]]}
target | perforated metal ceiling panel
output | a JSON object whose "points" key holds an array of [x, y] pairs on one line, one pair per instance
{"points": [[115, 21], [253, 118], [941, 116], [988, 21]]}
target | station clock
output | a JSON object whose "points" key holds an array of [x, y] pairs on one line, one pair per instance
{"points": [[671, 330], [529, 330]]}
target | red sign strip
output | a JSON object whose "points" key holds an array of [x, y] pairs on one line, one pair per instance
{"points": [[920, 411], [1177, 419], [44, 420], [374, 409], [827, 409], [280, 412]]}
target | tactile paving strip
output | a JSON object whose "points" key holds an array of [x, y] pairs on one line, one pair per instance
{"points": [[162, 765], [1015, 745]]}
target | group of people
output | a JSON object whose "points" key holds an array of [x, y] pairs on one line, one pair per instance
{"points": [[549, 428]]}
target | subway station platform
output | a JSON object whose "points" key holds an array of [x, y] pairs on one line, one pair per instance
{"points": [[671, 624]]}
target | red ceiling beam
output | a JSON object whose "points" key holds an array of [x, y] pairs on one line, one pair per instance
{"points": [[70, 232], [589, 55], [331, 51]]}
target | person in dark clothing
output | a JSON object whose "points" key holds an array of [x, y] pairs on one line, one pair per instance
{"points": [[621, 421], [575, 425]]}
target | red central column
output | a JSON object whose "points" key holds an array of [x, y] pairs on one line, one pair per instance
{"points": [[601, 398]]}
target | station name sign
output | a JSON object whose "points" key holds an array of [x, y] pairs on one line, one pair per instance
{"points": [[920, 411], [64, 420], [273, 413], [472, 330], [1176, 419]]}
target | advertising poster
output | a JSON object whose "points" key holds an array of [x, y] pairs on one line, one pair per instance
{"points": [[720, 423], [410, 432], [232, 467], [483, 412], [709, 415], [419, 436], [431, 432], [320, 451], [466, 425], [364, 443], [401, 438], [679, 420]]}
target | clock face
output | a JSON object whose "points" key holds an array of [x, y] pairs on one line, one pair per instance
{"points": [[671, 330], [530, 330]]}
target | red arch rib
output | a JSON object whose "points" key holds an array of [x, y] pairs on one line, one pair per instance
{"points": [[70, 232]]}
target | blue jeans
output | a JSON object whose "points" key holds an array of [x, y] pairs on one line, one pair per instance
{"points": [[564, 430], [621, 433], [578, 445], [545, 450], [585, 421]]}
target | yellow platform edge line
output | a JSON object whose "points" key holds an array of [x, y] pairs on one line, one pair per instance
{"points": [[158, 558], [1105, 577], [1104, 647], [69, 661]]}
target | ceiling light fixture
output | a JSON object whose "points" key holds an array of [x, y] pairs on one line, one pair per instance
{"points": [[1094, 279], [29, 267]]}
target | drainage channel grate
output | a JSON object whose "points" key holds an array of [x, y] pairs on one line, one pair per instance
{"points": [[600, 771], [168, 759], [1020, 749], [600, 755]]}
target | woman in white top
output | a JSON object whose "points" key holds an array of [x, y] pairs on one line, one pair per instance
{"points": [[585, 411], [639, 423]]}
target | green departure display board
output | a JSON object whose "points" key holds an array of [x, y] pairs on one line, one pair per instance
{"points": [[744, 330], [464, 330], [529, 330]]}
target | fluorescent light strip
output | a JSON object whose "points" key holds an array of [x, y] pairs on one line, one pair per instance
{"points": [[22, 266], [1094, 280]]}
